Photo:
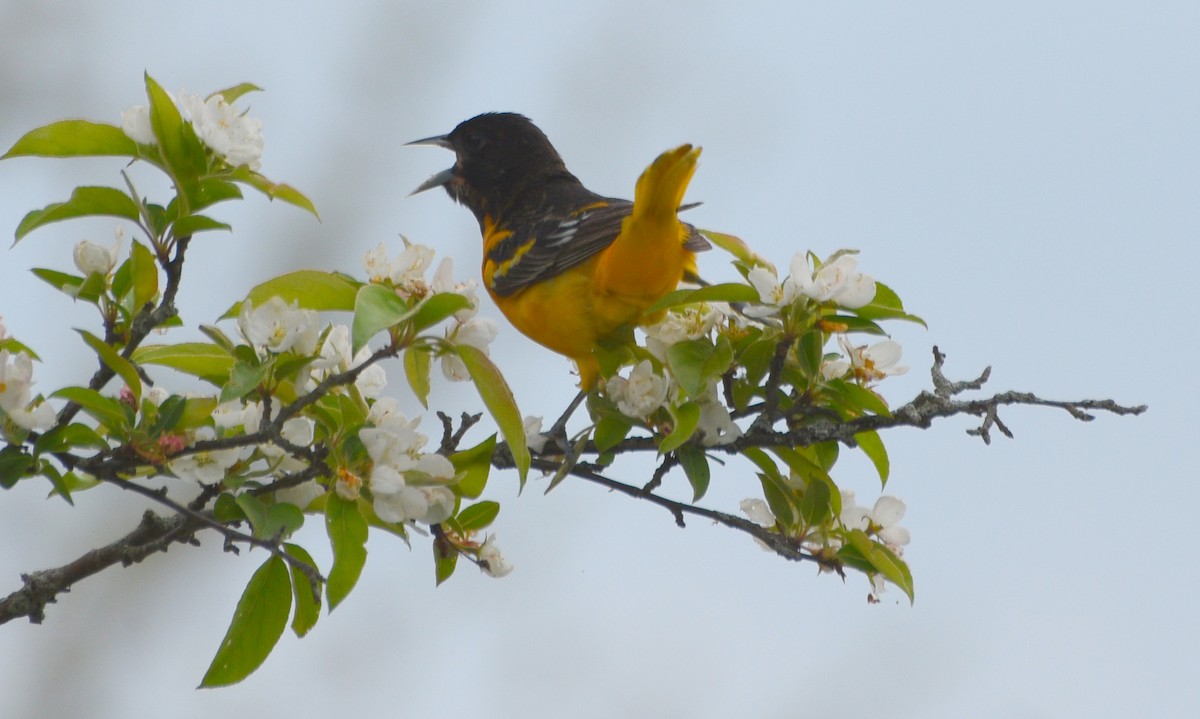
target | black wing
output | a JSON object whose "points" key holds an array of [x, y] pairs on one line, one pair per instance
{"points": [[555, 245]]}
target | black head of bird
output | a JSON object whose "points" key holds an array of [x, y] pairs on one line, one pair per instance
{"points": [[499, 155]]}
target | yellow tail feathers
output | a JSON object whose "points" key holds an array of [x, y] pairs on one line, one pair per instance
{"points": [[648, 258]]}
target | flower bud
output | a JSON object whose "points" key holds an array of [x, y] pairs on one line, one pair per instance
{"points": [[93, 258]]}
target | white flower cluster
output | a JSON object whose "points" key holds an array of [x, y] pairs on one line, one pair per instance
{"points": [[690, 322], [407, 483], [336, 357], [233, 136], [276, 326], [837, 280], [639, 395], [644, 391], [236, 417], [16, 381], [406, 273], [881, 521]]}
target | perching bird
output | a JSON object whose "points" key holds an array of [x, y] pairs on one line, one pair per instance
{"points": [[568, 267]]}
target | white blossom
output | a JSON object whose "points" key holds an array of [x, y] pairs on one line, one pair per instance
{"points": [[94, 258], [838, 280], [16, 382], [758, 512], [335, 357], [229, 415], [477, 332], [375, 263], [406, 483], [278, 327], [135, 123], [298, 431], [491, 561], [156, 395], [690, 323], [868, 364], [302, 494], [534, 439], [773, 294], [230, 134], [641, 394], [715, 425], [443, 281], [209, 466], [407, 271], [882, 520]]}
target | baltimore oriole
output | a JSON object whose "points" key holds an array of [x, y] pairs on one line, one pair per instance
{"points": [[568, 267]]}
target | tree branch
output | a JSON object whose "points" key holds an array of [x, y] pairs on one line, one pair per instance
{"points": [[154, 534]]}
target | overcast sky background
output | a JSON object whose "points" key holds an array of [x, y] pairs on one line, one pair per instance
{"points": [[1025, 174]]}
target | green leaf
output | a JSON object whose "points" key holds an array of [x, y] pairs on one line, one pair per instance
{"points": [[855, 324], [208, 192], [190, 225], [476, 462], [732, 292], [74, 138], [243, 379], [498, 399], [181, 151], [435, 308], [258, 622], [887, 306], [686, 360], [144, 273], [196, 412], [856, 400], [874, 556], [739, 249], [199, 359], [695, 466], [274, 190], [226, 509], [611, 430], [63, 438], [231, 94], [311, 289], [65, 283], [13, 346], [477, 516], [686, 417], [108, 412], [14, 463], [445, 559], [416, 368], [816, 504], [347, 529], [61, 487], [375, 308], [270, 520], [169, 414], [84, 202], [307, 597], [872, 446]]}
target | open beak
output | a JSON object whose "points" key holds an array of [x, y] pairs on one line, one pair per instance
{"points": [[441, 178], [438, 180]]}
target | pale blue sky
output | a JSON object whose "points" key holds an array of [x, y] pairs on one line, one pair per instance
{"points": [[1025, 174]]}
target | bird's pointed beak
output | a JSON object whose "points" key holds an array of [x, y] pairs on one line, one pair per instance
{"points": [[441, 178], [438, 180], [442, 141]]}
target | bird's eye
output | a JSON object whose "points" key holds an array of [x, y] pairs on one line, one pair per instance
{"points": [[474, 141]]}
